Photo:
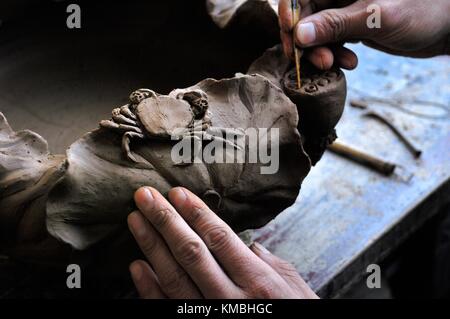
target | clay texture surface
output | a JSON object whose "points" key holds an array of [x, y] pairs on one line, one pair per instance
{"points": [[95, 195], [27, 173], [86, 196]]}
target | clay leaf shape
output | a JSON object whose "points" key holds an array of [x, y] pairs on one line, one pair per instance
{"points": [[95, 196]]}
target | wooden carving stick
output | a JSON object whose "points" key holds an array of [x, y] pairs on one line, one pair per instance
{"points": [[367, 160], [297, 55]]}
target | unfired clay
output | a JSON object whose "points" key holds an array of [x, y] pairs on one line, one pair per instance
{"points": [[96, 192], [86, 197], [82, 198]]}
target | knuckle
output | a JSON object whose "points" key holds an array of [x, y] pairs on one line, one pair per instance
{"points": [[286, 266], [263, 290], [191, 252], [195, 213], [148, 245], [334, 26], [162, 217], [287, 269], [217, 238], [264, 285], [268, 286], [173, 281]]}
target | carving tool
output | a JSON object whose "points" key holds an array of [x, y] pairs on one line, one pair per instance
{"points": [[297, 55], [381, 166], [383, 119], [409, 145], [360, 157]]}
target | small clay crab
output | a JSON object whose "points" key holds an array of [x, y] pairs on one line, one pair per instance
{"points": [[153, 116]]}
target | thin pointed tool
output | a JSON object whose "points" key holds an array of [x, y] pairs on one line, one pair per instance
{"points": [[295, 19]]}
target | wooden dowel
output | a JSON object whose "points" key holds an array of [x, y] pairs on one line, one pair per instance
{"points": [[360, 157]]}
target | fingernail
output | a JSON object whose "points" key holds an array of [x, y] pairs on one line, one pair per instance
{"points": [[136, 271], [147, 196], [306, 33], [261, 248], [179, 194]]}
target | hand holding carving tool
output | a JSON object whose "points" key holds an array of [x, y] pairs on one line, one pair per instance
{"points": [[297, 54]]}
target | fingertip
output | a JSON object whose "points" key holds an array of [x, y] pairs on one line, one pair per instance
{"points": [[138, 192], [347, 64], [346, 58], [178, 195], [136, 271], [321, 57], [285, 15], [132, 217], [305, 34], [144, 197], [138, 226], [184, 200], [326, 62]]}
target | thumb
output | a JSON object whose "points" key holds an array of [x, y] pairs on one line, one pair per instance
{"points": [[333, 26]]}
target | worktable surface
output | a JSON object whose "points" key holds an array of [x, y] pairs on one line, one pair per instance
{"points": [[348, 216]]}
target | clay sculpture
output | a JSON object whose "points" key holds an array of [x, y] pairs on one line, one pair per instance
{"points": [[157, 117], [316, 85], [84, 197]]}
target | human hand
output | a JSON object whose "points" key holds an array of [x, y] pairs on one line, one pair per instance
{"points": [[194, 254], [408, 27]]}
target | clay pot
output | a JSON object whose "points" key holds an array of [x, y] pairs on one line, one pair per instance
{"points": [[320, 100]]}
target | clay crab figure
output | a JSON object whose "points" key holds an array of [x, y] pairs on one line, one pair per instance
{"points": [[153, 116]]}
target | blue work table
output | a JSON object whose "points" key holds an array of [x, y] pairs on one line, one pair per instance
{"points": [[347, 216]]}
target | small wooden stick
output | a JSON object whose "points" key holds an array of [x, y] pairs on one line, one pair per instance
{"points": [[297, 56], [360, 157]]}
